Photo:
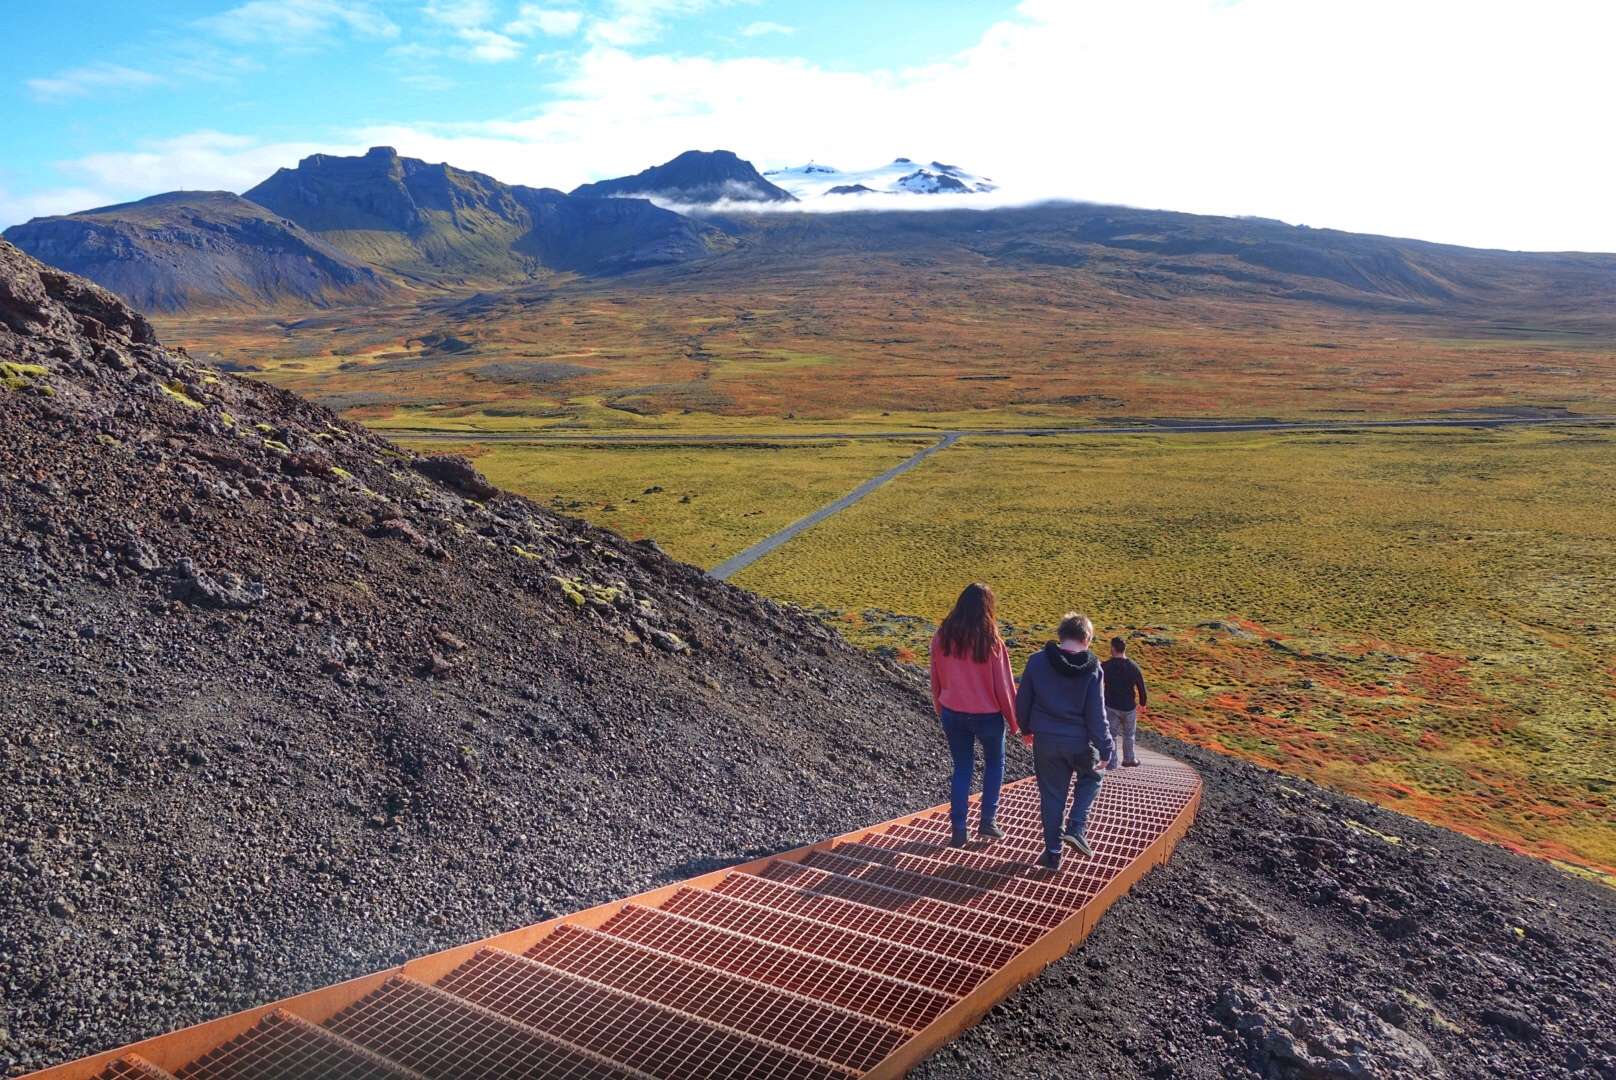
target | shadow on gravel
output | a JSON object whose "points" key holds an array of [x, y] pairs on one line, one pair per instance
{"points": [[707, 864]]}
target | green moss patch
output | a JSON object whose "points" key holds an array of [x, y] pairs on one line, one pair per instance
{"points": [[15, 376], [177, 392]]}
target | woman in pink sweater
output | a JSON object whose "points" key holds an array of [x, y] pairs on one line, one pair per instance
{"points": [[975, 698]]}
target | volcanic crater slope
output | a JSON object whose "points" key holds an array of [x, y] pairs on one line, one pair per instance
{"points": [[284, 704]]}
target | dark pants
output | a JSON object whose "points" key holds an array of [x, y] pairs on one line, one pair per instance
{"points": [[964, 731], [1055, 760]]}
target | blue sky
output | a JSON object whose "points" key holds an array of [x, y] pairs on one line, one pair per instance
{"points": [[1470, 121]]}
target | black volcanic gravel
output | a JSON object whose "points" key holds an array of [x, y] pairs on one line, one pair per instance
{"points": [[283, 704]]}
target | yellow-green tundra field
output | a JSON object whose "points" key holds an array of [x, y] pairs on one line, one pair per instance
{"points": [[1422, 618]]}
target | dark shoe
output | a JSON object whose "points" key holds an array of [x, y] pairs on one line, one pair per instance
{"points": [[1130, 764], [1076, 840], [959, 839], [990, 831], [1050, 860]]}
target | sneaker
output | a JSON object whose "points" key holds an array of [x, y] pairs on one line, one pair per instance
{"points": [[1130, 764], [1050, 860], [959, 839], [1077, 841], [990, 831]]}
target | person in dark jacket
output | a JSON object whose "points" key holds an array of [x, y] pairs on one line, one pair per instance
{"points": [[1061, 703], [1124, 697]]}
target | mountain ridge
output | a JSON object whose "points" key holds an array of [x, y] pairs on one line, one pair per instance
{"points": [[436, 224], [338, 230], [380, 226]]}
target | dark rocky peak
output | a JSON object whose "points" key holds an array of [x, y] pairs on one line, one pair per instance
{"points": [[695, 176], [381, 190]]}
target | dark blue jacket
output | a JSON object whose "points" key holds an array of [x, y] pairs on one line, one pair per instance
{"points": [[1063, 693]]}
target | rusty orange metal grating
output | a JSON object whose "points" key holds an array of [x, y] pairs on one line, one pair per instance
{"points": [[855, 957]]}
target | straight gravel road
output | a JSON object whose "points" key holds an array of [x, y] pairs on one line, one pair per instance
{"points": [[1147, 427], [735, 564]]}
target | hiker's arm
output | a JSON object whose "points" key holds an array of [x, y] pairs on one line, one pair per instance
{"points": [[1025, 696], [936, 684], [1004, 689], [1139, 681], [1099, 729]]}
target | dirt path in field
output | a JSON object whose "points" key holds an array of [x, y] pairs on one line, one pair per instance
{"points": [[1144, 427], [736, 563]]}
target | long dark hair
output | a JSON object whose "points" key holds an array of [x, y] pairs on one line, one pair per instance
{"points": [[971, 629]]}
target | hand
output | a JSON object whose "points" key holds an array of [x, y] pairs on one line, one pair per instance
{"points": [[1026, 739]]}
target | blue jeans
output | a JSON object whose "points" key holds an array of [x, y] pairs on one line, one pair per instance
{"points": [[964, 731], [1056, 759]]}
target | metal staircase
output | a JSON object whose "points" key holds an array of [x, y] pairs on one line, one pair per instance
{"points": [[855, 957]]}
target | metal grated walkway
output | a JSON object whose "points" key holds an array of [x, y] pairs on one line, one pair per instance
{"points": [[855, 957]]}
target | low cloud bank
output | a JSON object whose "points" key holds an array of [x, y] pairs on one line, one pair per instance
{"points": [[875, 201]]}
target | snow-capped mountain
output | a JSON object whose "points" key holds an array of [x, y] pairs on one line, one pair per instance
{"points": [[900, 176]]}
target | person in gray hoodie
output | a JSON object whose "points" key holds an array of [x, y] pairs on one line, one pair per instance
{"points": [[1061, 703]]}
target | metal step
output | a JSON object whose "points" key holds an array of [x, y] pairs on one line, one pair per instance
{"points": [[442, 1035], [952, 977], [1016, 908], [791, 1021], [891, 898], [1023, 846], [975, 949], [283, 1047], [651, 1038], [1005, 878], [881, 996], [999, 858]]}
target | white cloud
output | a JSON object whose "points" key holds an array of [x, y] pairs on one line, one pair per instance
{"points": [[299, 22], [468, 20], [636, 22], [64, 200], [1455, 120], [202, 160], [84, 81], [764, 27], [461, 14], [556, 22], [489, 46], [1370, 115]]}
